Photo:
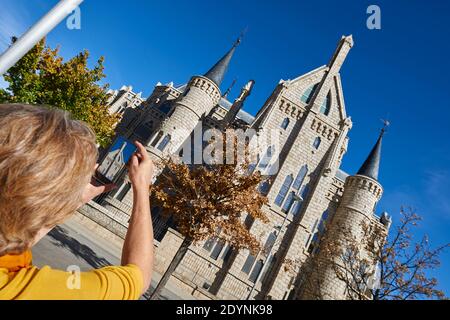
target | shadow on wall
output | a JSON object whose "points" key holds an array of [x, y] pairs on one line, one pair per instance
{"points": [[63, 240]]}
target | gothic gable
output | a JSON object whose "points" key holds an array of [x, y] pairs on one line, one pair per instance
{"points": [[301, 90]]}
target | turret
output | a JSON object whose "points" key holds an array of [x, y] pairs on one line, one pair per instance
{"points": [[202, 93], [362, 192]]}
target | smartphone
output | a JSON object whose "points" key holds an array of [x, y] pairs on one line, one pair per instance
{"points": [[116, 159]]}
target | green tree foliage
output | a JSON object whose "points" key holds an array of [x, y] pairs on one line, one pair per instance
{"points": [[43, 77]]}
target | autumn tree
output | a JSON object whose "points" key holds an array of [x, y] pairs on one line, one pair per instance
{"points": [[209, 201], [43, 77], [373, 267]]}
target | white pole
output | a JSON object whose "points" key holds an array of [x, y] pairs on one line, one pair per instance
{"points": [[36, 33]]}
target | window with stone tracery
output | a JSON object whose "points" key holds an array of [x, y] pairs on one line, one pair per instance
{"points": [[317, 142], [307, 95], [284, 190], [164, 143], [326, 105], [285, 123]]}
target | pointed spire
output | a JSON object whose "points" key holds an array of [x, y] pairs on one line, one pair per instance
{"points": [[343, 47], [218, 71], [371, 166]]}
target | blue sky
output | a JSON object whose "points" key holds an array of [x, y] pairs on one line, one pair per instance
{"points": [[399, 72]]}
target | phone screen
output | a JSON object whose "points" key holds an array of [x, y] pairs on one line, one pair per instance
{"points": [[116, 159]]}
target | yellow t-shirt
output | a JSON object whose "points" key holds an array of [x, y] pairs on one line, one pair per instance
{"points": [[19, 280]]}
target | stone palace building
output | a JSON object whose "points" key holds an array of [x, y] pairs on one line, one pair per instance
{"points": [[307, 191]]}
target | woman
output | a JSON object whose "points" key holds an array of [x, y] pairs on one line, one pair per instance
{"points": [[47, 161]]}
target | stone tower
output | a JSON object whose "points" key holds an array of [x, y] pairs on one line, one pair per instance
{"points": [[305, 187], [201, 95], [359, 199], [309, 112], [164, 122]]}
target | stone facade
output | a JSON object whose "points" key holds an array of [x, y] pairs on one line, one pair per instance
{"points": [[309, 114], [120, 100], [355, 208]]}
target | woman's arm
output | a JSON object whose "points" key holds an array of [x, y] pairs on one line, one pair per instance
{"points": [[138, 245]]}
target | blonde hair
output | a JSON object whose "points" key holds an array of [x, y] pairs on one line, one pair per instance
{"points": [[46, 161]]}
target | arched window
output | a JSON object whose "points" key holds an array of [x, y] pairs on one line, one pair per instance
{"points": [[157, 138], [209, 244], [226, 253], [264, 186], [285, 123], [267, 157], [304, 192], [289, 201], [296, 207], [253, 267], [251, 167], [326, 105], [323, 220], [268, 265], [317, 142], [164, 143], [269, 242], [298, 203], [307, 95], [248, 263], [217, 249], [312, 245], [284, 190], [300, 177], [256, 270], [320, 229]]}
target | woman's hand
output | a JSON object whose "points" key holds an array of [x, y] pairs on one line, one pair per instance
{"points": [[140, 168], [93, 190], [138, 244]]}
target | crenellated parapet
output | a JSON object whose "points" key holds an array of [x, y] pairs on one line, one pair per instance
{"points": [[291, 109], [365, 183], [206, 85], [324, 129]]}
